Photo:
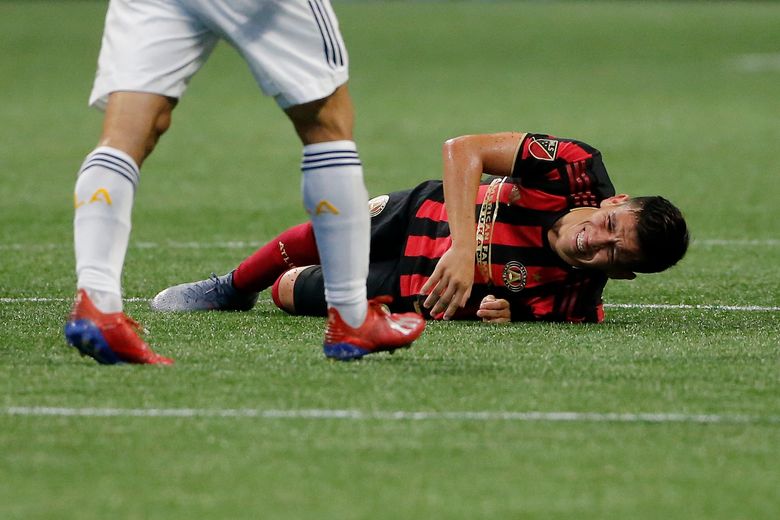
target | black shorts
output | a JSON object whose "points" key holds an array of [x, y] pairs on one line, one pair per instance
{"points": [[389, 229], [309, 289]]}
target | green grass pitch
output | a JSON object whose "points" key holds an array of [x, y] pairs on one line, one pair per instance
{"points": [[661, 412]]}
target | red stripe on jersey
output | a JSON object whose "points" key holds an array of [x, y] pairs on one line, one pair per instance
{"points": [[572, 152], [583, 179], [570, 176], [411, 284], [497, 274], [518, 236], [481, 191], [432, 210], [541, 306], [542, 275], [569, 303], [580, 184], [480, 277], [426, 246], [540, 200], [584, 199], [566, 306]]}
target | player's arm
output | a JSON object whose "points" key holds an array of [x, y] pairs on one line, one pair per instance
{"points": [[465, 159]]}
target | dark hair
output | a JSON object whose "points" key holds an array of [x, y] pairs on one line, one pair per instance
{"points": [[662, 234]]}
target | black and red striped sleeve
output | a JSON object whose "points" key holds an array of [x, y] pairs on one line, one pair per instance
{"points": [[569, 171], [577, 299]]}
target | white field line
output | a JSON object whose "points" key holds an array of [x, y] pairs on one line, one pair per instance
{"points": [[709, 242], [743, 308], [139, 245], [360, 415], [57, 300], [660, 306], [239, 244]]}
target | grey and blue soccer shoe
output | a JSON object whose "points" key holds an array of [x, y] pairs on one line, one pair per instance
{"points": [[215, 293]]}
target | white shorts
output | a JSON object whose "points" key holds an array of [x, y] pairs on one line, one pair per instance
{"points": [[293, 47]]}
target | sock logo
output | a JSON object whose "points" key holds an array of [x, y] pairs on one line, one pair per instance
{"points": [[325, 207], [100, 195], [285, 256]]}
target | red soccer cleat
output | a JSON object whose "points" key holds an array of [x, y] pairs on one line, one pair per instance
{"points": [[108, 338], [382, 331]]}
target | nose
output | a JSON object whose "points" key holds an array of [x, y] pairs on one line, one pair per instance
{"points": [[601, 238]]}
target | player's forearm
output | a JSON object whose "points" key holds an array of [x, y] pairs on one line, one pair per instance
{"points": [[466, 158], [461, 176]]}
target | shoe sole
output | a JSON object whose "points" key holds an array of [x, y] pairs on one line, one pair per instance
{"points": [[349, 352], [87, 338], [158, 306]]}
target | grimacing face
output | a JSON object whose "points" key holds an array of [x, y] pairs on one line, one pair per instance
{"points": [[604, 238]]}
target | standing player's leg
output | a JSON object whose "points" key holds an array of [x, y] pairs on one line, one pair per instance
{"points": [[149, 52], [336, 199], [104, 194]]}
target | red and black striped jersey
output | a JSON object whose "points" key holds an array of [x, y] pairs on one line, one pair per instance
{"points": [[550, 177]]}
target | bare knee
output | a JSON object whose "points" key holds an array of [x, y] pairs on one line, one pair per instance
{"points": [[135, 121], [327, 119], [283, 291]]}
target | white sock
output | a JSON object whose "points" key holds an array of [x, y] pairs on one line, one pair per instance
{"points": [[101, 227], [337, 202]]}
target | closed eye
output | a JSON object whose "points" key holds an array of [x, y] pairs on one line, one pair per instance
{"points": [[611, 228]]}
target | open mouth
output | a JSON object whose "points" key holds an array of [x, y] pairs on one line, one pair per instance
{"points": [[581, 241]]}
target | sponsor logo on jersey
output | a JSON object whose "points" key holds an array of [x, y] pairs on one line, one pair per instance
{"points": [[377, 204], [543, 149], [515, 276]]}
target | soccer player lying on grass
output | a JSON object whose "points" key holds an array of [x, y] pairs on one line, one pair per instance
{"points": [[549, 233]]}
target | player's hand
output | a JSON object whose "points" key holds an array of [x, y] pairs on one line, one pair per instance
{"points": [[449, 287], [493, 310]]}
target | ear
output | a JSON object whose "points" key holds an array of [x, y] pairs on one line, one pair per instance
{"points": [[621, 275], [615, 200]]}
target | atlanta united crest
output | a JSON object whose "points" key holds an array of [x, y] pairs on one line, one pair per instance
{"points": [[515, 276], [377, 204]]}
